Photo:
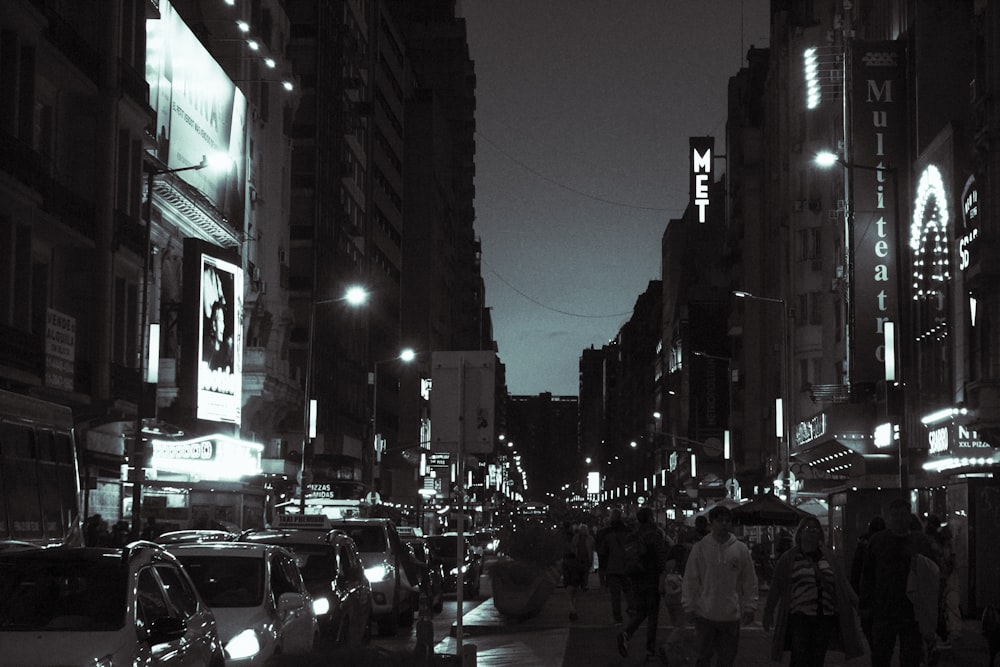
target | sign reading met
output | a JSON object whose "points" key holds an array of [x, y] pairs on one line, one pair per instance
{"points": [[702, 155]]}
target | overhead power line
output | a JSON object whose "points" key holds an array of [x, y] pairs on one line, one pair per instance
{"points": [[548, 307], [603, 200]]}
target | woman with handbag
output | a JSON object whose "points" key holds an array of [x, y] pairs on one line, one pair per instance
{"points": [[816, 606]]}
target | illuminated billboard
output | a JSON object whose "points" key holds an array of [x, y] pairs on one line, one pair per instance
{"points": [[220, 340], [199, 110], [211, 377]]}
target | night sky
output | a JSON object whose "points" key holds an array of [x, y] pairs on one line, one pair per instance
{"points": [[584, 110]]}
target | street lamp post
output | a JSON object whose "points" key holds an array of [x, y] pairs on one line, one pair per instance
{"points": [[727, 453], [355, 296], [406, 355], [137, 450], [895, 333], [782, 409]]}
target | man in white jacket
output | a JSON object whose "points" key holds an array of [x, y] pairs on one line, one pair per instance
{"points": [[719, 590]]}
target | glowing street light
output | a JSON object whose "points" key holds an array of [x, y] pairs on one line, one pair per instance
{"points": [[406, 356], [355, 296], [147, 372], [895, 341]]}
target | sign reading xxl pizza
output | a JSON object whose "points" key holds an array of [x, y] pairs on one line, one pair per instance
{"points": [[878, 122]]}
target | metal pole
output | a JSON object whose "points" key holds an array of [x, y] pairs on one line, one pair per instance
{"points": [[374, 440], [460, 505], [307, 407], [138, 451], [902, 329], [787, 408]]}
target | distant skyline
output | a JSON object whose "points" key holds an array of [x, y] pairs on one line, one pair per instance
{"points": [[583, 113]]}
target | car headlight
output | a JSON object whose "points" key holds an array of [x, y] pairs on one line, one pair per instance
{"points": [[377, 573], [243, 645], [321, 606], [455, 570], [106, 661]]}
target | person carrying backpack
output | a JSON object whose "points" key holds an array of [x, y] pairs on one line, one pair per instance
{"points": [[578, 561], [611, 557], [646, 557]]}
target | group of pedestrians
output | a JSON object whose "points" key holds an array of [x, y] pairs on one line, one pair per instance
{"points": [[705, 581], [894, 592]]}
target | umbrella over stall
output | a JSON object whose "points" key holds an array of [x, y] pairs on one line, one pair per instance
{"points": [[768, 510]]}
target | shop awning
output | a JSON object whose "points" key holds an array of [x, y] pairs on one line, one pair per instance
{"points": [[839, 441], [768, 510]]}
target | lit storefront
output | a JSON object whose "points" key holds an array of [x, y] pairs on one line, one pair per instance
{"points": [[206, 482]]}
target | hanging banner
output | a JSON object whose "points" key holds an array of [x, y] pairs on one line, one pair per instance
{"points": [[878, 122]]}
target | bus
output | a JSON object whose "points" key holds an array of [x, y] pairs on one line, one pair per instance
{"points": [[39, 473]]}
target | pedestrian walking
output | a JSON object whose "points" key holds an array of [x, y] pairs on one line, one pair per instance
{"points": [[650, 547], [875, 524], [611, 557], [719, 590], [576, 565], [815, 604], [883, 595]]}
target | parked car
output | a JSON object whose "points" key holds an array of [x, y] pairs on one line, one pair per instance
{"points": [[432, 571], [258, 597], [333, 571], [103, 607], [390, 568], [446, 548]]}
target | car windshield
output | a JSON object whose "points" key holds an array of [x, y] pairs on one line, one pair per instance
{"points": [[62, 594], [316, 564], [444, 546], [227, 581], [368, 538]]}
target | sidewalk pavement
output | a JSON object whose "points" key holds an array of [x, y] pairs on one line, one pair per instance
{"points": [[551, 639]]}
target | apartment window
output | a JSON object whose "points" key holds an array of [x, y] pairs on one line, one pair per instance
{"points": [[838, 320], [125, 320], [807, 243], [41, 139], [810, 372], [809, 309]]}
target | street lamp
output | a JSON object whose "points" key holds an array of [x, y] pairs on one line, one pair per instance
{"points": [[152, 172], [895, 339], [355, 296], [727, 453], [406, 356], [782, 410]]}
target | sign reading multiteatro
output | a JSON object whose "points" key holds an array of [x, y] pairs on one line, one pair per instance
{"points": [[702, 154], [878, 122]]}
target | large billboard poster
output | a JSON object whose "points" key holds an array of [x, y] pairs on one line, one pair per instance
{"points": [[220, 341], [878, 124], [199, 110]]}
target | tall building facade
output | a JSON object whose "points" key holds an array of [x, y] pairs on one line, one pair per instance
{"points": [[188, 317], [543, 430]]}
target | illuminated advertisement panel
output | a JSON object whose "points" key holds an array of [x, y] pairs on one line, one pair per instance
{"points": [[217, 458], [879, 142], [220, 340], [199, 110]]}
